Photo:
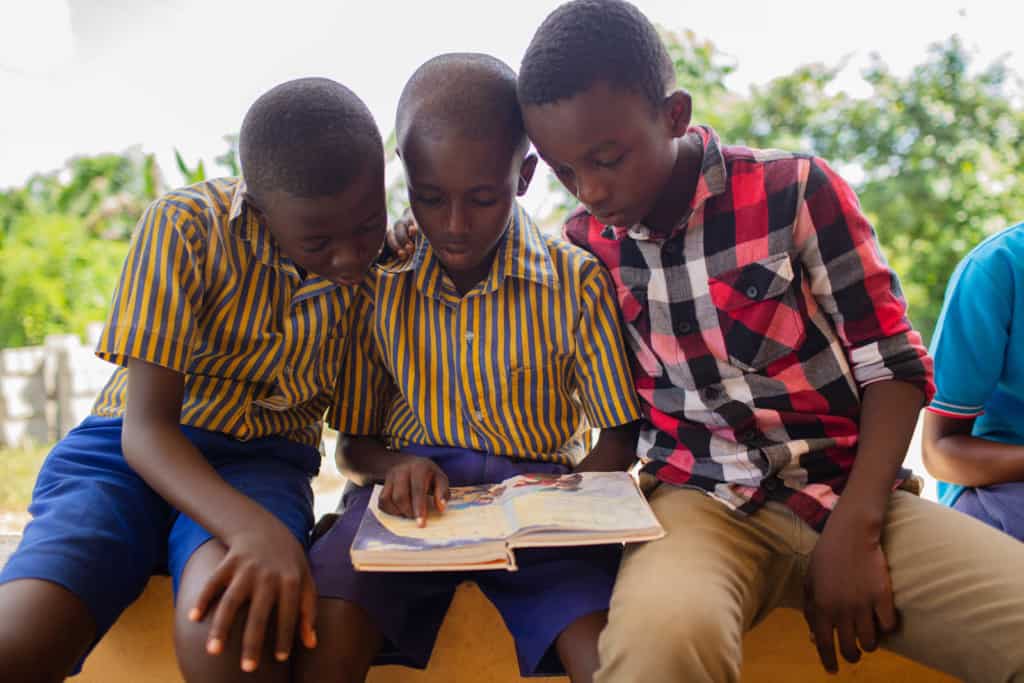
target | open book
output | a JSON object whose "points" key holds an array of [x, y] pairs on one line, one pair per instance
{"points": [[483, 524]]}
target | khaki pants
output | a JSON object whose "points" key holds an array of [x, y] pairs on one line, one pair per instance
{"points": [[682, 604]]}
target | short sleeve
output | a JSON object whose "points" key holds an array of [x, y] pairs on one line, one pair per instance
{"points": [[364, 389], [969, 346], [156, 303], [602, 368]]}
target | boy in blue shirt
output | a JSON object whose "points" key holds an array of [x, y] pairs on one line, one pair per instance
{"points": [[228, 323], [973, 438]]}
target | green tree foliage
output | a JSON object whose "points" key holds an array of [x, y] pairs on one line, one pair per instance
{"points": [[935, 155], [55, 277]]}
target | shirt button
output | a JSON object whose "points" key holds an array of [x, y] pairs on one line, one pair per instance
{"points": [[770, 484], [710, 393], [683, 327], [469, 337], [477, 415], [752, 292]]}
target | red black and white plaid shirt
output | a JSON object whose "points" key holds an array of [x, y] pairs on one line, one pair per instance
{"points": [[755, 326]]}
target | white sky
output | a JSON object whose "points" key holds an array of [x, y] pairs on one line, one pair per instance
{"points": [[88, 76]]}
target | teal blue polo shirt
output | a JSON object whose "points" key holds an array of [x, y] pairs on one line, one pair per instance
{"points": [[978, 345]]}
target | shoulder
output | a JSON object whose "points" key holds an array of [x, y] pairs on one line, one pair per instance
{"points": [[572, 263], [205, 199], [577, 228], [198, 207], [1002, 252]]}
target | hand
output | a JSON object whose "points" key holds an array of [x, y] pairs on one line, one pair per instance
{"points": [[265, 567], [401, 237], [410, 484], [848, 590]]}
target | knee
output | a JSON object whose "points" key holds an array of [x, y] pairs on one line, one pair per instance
{"points": [[26, 658], [663, 640]]}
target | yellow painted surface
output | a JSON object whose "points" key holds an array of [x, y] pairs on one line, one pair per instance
{"points": [[474, 647]]}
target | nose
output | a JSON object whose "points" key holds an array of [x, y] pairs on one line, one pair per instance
{"points": [[591, 191], [347, 264], [458, 226]]}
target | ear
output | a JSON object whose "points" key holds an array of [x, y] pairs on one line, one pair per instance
{"points": [[678, 108], [526, 170]]}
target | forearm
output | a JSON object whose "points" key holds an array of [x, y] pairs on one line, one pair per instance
{"points": [[888, 414], [364, 460], [174, 468], [970, 461], [615, 450]]}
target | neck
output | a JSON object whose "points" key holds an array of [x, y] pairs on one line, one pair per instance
{"points": [[466, 280], [674, 200]]}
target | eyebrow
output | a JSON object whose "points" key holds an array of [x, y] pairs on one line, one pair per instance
{"points": [[605, 146]]}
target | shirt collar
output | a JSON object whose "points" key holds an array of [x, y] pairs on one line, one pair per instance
{"points": [[244, 221], [710, 183], [522, 253]]}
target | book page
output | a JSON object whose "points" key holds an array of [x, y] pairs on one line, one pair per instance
{"points": [[473, 513], [597, 501]]}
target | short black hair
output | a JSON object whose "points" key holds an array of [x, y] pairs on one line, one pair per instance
{"points": [[310, 137], [467, 93], [584, 42]]}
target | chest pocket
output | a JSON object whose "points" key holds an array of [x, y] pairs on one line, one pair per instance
{"points": [[759, 311]]}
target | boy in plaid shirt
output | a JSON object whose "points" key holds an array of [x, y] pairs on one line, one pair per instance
{"points": [[780, 378]]}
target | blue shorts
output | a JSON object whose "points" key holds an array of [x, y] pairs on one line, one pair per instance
{"points": [[100, 531], [553, 587], [999, 505]]}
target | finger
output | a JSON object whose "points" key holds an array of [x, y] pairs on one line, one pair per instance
{"points": [[287, 614], [421, 483], [307, 612], [256, 625], [400, 494], [885, 612], [441, 492], [848, 639], [824, 642], [392, 241], [384, 501], [224, 616], [867, 634], [213, 587]]}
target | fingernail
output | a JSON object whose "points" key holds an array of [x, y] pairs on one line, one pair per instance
{"points": [[193, 614], [281, 656], [214, 646], [248, 665], [422, 521], [311, 640]]}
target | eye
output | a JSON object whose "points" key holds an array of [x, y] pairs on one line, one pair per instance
{"points": [[610, 163], [563, 172], [484, 201], [427, 200], [315, 246]]}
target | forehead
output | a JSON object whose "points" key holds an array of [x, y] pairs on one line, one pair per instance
{"points": [[359, 201], [600, 115], [457, 161]]}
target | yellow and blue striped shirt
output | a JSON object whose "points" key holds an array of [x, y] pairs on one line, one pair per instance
{"points": [[205, 291], [511, 368]]}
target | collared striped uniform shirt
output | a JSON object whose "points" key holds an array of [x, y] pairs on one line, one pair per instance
{"points": [[206, 292], [512, 368]]}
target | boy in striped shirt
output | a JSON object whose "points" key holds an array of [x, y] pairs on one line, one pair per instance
{"points": [[228, 324], [478, 360]]}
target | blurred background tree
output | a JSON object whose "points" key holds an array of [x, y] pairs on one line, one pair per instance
{"points": [[935, 156]]}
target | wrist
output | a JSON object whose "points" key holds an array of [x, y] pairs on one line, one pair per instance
{"points": [[863, 521]]}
